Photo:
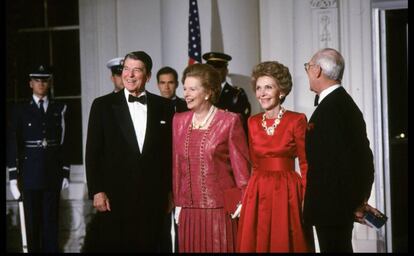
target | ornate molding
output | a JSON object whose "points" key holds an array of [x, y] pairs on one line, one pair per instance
{"points": [[325, 27], [324, 4]]}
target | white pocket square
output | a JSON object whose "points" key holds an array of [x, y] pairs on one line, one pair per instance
{"points": [[162, 122]]}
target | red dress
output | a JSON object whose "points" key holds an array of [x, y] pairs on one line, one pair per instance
{"points": [[271, 217]]}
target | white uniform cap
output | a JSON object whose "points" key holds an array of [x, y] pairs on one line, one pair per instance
{"points": [[114, 62]]}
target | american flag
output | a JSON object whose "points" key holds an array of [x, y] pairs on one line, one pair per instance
{"points": [[194, 37]]}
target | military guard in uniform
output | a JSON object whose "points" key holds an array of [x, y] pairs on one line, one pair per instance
{"points": [[115, 66], [36, 161], [232, 98]]}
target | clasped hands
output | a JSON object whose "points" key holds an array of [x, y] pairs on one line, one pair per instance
{"points": [[14, 188]]}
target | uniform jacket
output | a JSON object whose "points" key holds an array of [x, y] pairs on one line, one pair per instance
{"points": [[36, 145], [234, 99], [226, 160], [136, 183], [179, 104], [340, 162]]}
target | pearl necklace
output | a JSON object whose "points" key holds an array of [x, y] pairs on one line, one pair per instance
{"points": [[203, 123], [271, 129]]}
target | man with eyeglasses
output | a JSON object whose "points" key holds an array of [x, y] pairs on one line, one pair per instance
{"points": [[340, 161]]}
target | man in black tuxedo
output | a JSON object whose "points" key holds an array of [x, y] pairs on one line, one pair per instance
{"points": [[167, 81], [128, 161], [340, 161]]}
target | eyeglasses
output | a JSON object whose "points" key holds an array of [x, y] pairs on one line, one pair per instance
{"points": [[307, 66]]}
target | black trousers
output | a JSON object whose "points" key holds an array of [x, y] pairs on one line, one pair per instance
{"points": [[41, 209], [335, 239]]}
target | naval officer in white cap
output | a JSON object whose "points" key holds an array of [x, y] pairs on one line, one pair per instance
{"points": [[115, 65]]}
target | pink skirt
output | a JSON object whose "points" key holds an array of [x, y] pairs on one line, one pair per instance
{"points": [[206, 230]]}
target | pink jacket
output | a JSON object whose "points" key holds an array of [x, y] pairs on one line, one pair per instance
{"points": [[225, 157]]}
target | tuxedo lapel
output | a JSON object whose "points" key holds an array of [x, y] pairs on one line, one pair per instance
{"points": [[151, 128], [121, 112]]}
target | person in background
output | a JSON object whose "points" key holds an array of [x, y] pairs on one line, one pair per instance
{"points": [[271, 214], [210, 157], [341, 166], [115, 66], [128, 161], [37, 161], [232, 98], [167, 81]]}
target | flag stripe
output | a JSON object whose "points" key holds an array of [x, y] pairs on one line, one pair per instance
{"points": [[194, 36]]}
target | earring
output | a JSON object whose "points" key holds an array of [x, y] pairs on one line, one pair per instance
{"points": [[281, 96], [206, 98]]}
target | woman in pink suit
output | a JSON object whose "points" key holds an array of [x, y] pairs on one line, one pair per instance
{"points": [[210, 156], [271, 215]]}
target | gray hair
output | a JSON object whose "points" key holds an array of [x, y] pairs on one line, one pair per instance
{"points": [[331, 62]]}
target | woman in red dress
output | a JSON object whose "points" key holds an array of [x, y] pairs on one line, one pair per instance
{"points": [[271, 215], [210, 156]]}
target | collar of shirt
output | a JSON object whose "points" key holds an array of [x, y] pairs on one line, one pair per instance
{"points": [[224, 83], [327, 91], [45, 101]]}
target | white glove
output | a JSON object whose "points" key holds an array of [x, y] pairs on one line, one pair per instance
{"points": [[65, 183], [14, 189], [236, 213], [177, 214]]}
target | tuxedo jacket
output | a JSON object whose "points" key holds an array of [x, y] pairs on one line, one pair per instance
{"points": [[179, 104], [340, 161], [136, 182]]}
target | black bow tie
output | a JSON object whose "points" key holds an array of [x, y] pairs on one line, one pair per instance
{"points": [[141, 99], [316, 102]]}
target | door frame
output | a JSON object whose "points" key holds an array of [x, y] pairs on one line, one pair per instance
{"points": [[380, 83]]}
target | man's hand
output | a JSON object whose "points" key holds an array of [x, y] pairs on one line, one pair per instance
{"points": [[14, 189], [101, 202], [359, 214], [65, 183]]}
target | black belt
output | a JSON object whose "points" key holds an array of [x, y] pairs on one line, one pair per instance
{"points": [[40, 143]]}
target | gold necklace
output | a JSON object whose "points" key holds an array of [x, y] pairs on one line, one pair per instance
{"points": [[271, 129], [201, 125]]}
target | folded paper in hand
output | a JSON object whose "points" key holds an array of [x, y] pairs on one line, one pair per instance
{"points": [[232, 199], [374, 217]]}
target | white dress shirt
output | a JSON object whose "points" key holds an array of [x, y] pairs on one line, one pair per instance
{"points": [[138, 114], [45, 102], [327, 91]]}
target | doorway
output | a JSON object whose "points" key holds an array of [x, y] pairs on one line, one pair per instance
{"points": [[391, 86]]}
